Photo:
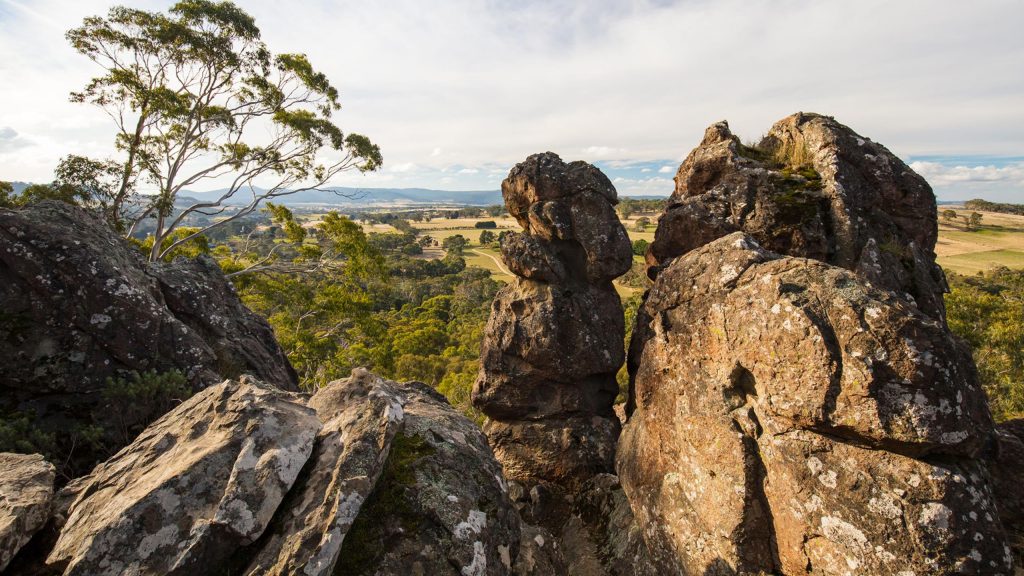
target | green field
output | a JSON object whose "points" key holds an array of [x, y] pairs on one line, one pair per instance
{"points": [[999, 241]]}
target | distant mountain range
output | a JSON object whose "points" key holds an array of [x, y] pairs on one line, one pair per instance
{"points": [[368, 196]]}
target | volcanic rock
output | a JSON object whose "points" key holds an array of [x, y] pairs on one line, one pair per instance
{"points": [[441, 504], [78, 305], [812, 188], [554, 340], [790, 417], [194, 487], [26, 489]]}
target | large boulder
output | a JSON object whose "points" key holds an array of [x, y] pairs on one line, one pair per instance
{"points": [[26, 490], [441, 504], [197, 485], [360, 420], [81, 306], [812, 188], [554, 340], [790, 417]]}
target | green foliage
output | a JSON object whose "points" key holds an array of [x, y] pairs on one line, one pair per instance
{"points": [[949, 215], [630, 307], [973, 221], [487, 237], [138, 399], [404, 227], [1001, 207], [129, 404], [18, 433], [8, 199], [282, 216], [191, 91], [191, 248], [641, 224], [640, 247], [368, 304], [987, 311], [455, 244], [486, 224]]}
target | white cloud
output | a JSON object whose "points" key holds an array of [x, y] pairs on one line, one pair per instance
{"points": [[944, 175], [602, 151], [666, 170], [403, 167], [641, 78], [469, 171], [10, 140]]}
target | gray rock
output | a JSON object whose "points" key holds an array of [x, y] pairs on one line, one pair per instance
{"points": [[360, 416], [26, 490], [441, 504], [197, 485], [80, 305]]}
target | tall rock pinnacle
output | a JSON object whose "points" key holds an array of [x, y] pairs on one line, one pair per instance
{"points": [[555, 337]]}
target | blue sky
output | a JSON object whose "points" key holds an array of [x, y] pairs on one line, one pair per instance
{"points": [[456, 91]]}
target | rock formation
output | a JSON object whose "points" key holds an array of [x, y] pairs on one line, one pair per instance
{"points": [[797, 404], [198, 484], [366, 477], [1005, 460], [78, 306], [814, 188], [26, 488], [555, 337], [791, 418]]}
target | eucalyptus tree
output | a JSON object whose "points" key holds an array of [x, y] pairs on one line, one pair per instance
{"points": [[199, 100]]}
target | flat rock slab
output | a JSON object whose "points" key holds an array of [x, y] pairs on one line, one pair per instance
{"points": [[195, 486]]}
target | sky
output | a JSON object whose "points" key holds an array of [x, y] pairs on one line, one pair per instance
{"points": [[455, 92]]}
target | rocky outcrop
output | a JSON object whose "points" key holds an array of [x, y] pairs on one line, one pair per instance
{"points": [[813, 188], [441, 505], [1005, 459], [198, 484], [26, 489], [790, 417], [367, 476], [78, 305], [358, 431], [555, 337]]}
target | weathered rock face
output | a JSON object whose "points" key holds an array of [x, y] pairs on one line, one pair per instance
{"points": [[26, 489], [554, 340], [791, 418], [361, 418], [440, 506], [367, 477], [811, 188], [198, 484], [1005, 461], [79, 306]]}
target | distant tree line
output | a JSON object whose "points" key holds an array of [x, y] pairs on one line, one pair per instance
{"points": [[1001, 207]]}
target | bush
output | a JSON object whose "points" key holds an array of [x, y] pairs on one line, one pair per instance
{"points": [[987, 311], [137, 399], [491, 224], [640, 247]]}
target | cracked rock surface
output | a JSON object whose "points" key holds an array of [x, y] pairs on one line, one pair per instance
{"points": [[789, 417], [554, 340]]}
